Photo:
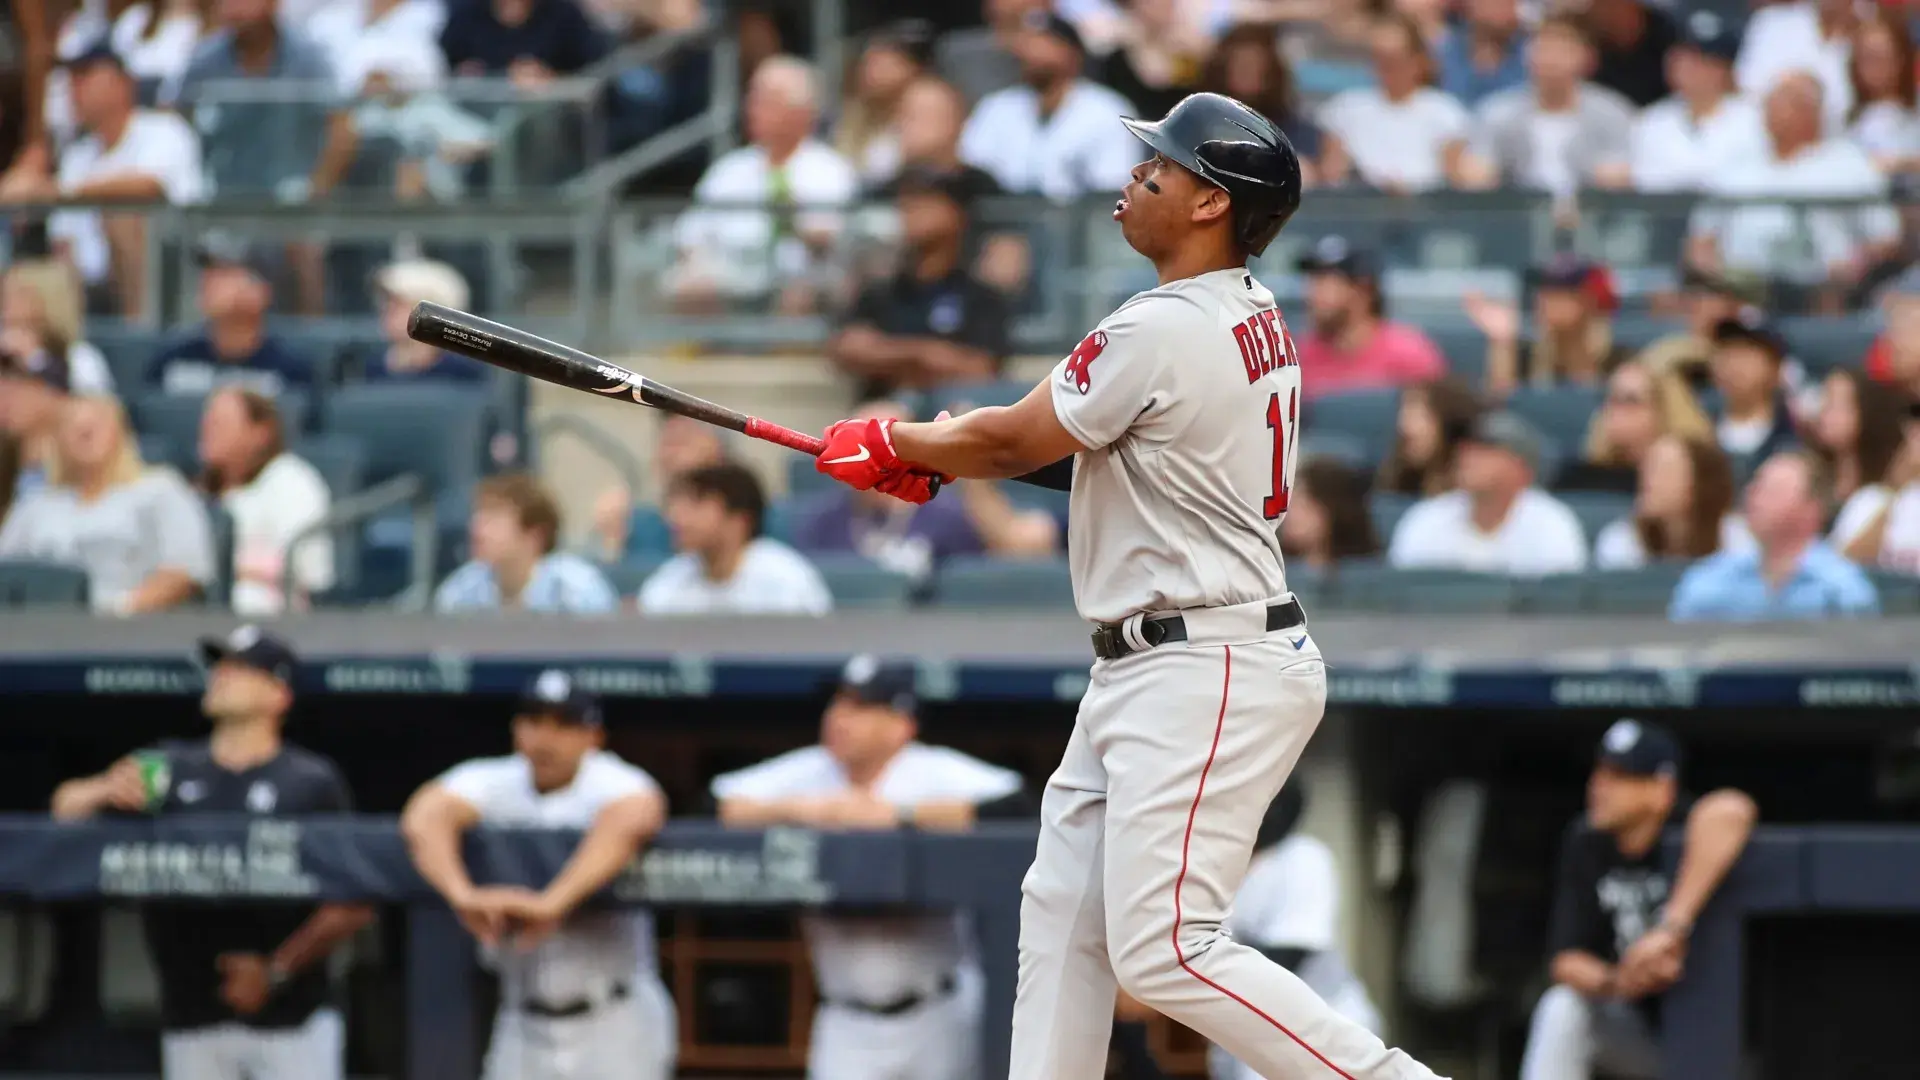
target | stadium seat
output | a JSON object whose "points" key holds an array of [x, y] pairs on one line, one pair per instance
{"points": [[219, 591], [1636, 332], [1825, 342], [627, 575], [1349, 450], [647, 534], [1464, 346], [32, 583], [433, 431], [804, 479], [1634, 592], [128, 351], [1386, 508], [129, 982], [175, 420], [341, 461], [1899, 593], [1560, 413], [1370, 585], [1367, 415], [159, 450], [985, 583], [857, 582], [1596, 509]]}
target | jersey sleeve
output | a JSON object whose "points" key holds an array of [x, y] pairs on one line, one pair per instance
{"points": [[971, 780], [1116, 374], [476, 782], [331, 795], [618, 778], [1576, 921], [790, 774], [1306, 912]]}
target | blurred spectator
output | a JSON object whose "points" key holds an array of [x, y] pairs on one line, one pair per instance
{"points": [[1797, 161], [235, 345], [907, 539], [1857, 432], [1288, 907], [403, 136], [42, 310], [34, 391], [1880, 524], [1813, 36], [1631, 39], [140, 534], [157, 39], [1791, 574], [528, 41], [1435, 417], [1559, 133], [1349, 344], [1894, 356], [273, 496], [1498, 522], [127, 154], [1006, 529], [397, 288], [1680, 142], [1640, 408], [1058, 134], [728, 253], [1683, 510], [725, 565], [1248, 65], [511, 539], [1327, 518], [1621, 918], [1573, 304], [868, 131], [933, 322], [1883, 121], [928, 121], [1751, 421], [1402, 135], [1487, 54], [681, 444], [983, 59], [1706, 299], [353, 34], [1157, 53], [899, 992]]}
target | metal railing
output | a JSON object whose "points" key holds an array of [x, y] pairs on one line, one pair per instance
{"points": [[355, 510], [598, 441]]}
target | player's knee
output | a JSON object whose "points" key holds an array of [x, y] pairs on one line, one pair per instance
{"points": [[1149, 958], [1562, 1012]]}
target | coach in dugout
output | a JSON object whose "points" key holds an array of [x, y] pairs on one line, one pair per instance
{"points": [[244, 989], [1618, 936]]}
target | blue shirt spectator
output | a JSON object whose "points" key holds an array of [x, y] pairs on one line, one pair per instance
{"points": [[1792, 574], [511, 536], [269, 145], [234, 346], [525, 39], [398, 358], [901, 537], [1486, 55]]}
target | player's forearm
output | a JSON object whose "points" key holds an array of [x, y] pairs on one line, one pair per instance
{"points": [[759, 813], [1717, 832], [940, 815], [78, 799], [1584, 972], [616, 836], [323, 931], [984, 444], [433, 839], [127, 187]]}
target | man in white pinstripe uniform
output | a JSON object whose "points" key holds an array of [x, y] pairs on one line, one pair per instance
{"points": [[580, 998]]}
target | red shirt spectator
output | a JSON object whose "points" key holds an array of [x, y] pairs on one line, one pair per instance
{"points": [[1348, 346], [1894, 357]]}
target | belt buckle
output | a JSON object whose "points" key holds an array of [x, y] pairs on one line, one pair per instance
{"points": [[1108, 643]]}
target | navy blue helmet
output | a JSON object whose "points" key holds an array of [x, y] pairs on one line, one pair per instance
{"points": [[1237, 150]]}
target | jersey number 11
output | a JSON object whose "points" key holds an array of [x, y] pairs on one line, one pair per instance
{"points": [[1284, 429]]}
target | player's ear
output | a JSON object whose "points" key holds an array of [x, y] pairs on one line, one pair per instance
{"points": [[1213, 204]]}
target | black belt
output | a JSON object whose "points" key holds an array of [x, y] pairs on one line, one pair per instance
{"points": [[578, 1007], [1109, 643], [900, 1005]]}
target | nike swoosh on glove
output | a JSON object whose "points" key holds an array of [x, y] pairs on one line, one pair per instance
{"points": [[859, 453]]}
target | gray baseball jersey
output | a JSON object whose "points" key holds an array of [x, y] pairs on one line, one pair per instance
{"points": [[1189, 398]]}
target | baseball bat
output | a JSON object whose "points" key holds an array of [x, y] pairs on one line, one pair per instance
{"points": [[507, 347]]}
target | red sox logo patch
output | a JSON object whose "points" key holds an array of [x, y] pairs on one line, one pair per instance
{"points": [[1082, 358]]}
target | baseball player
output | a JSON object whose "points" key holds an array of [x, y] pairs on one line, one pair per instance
{"points": [[579, 996], [900, 995], [1289, 909], [1180, 415], [245, 992]]}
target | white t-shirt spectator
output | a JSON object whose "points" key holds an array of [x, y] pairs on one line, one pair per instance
{"points": [[283, 501], [120, 539], [1900, 542], [1556, 152], [163, 56], [1082, 147], [772, 579], [742, 251], [1290, 899], [1670, 151], [1540, 536], [156, 144], [1618, 546], [1786, 37], [1884, 129], [1397, 143], [1782, 241], [348, 38]]}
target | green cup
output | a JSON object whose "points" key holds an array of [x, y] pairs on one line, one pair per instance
{"points": [[156, 775]]}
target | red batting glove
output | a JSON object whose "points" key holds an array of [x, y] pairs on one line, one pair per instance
{"points": [[859, 453], [912, 485]]}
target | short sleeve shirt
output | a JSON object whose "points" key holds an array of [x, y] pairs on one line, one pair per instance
{"points": [[1398, 143], [955, 308], [1604, 901], [120, 539], [192, 367], [1187, 399]]}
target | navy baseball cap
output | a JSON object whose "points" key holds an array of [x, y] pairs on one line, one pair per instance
{"points": [[1056, 26], [872, 681], [1711, 34], [98, 51], [1638, 748], [554, 693], [42, 366], [253, 647], [227, 249], [1752, 325], [1337, 255]]}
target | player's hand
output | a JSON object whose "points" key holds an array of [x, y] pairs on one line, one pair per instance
{"points": [[532, 917], [859, 454], [1652, 964], [483, 911], [244, 981], [121, 787], [912, 486], [863, 810], [1497, 319]]}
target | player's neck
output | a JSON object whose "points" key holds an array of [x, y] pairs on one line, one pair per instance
{"points": [[1180, 265], [1490, 510], [239, 745], [722, 562]]}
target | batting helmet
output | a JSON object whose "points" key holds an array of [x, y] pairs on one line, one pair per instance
{"points": [[1237, 150]]}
